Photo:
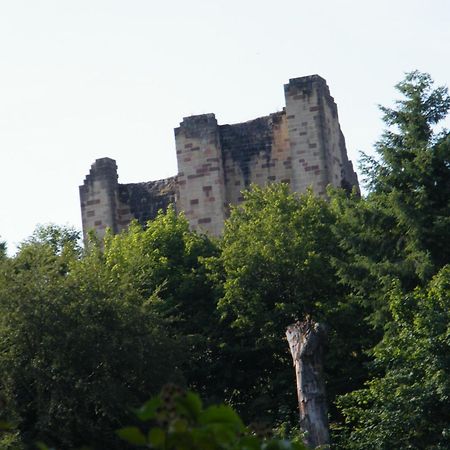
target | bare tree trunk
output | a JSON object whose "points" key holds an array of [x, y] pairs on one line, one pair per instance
{"points": [[306, 341]]}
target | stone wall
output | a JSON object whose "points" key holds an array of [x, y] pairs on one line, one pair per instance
{"points": [[302, 145], [107, 204], [255, 152], [318, 152], [201, 185]]}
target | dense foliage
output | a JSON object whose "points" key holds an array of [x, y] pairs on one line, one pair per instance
{"points": [[88, 334], [74, 351], [177, 420], [276, 261], [397, 242], [407, 405]]}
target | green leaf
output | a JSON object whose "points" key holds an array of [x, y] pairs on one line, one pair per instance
{"points": [[249, 443], [148, 410], [298, 446], [191, 405], [133, 435], [220, 414], [179, 425], [225, 433], [157, 437], [42, 446]]}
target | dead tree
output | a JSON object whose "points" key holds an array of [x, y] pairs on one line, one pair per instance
{"points": [[306, 341]]}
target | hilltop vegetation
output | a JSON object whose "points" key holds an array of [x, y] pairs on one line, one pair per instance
{"points": [[86, 334]]}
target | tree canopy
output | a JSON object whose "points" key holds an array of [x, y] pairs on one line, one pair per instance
{"points": [[397, 243]]}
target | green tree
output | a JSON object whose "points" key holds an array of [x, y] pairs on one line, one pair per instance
{"points": [[412, 174], [371, 255], [166, 257], [73, 353], [178, 420], [276, 264], [2, 250], [169, 259], [400, 229], [397, 236], [406, 405]]}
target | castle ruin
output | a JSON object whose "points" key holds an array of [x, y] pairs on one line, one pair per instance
{"points": [[302, 145]]}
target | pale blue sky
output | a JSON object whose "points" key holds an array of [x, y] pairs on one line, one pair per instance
{"points": [[83, 79]]}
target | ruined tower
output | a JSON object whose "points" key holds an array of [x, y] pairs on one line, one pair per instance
{"points": [[302, 145], [107, 204]]}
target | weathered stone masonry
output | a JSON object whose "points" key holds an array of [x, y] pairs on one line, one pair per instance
{"points": [[107, 204], [302, 145]]}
